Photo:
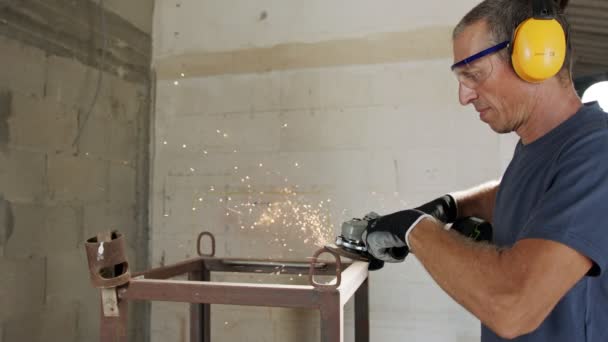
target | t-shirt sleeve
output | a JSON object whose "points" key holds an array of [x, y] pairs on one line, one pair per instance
{"points": [[574, 208]]}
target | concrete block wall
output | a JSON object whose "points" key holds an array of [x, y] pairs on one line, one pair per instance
{"points": [[54, 194], [271, 132]]}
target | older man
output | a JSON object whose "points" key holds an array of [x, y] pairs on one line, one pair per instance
{"points": [[544, 276]]}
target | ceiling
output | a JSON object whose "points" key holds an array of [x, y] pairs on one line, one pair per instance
{"points": [[589, 36]]}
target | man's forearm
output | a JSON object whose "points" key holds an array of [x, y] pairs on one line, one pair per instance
{"points": [[476, 275], [478, 201]]}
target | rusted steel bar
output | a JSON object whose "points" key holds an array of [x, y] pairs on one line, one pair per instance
{"points": [[200, 319], [206, 311], [114, 329], [352, 278], [268, 266], [332, 316], [362, 312], [173, 270], [236, 265], [289, 296]]}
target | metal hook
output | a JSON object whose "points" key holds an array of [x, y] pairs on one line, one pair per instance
{"points": [[311, 271], [198, 244]]}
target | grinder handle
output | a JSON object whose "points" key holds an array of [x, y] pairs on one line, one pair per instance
{"points": [[474, 228]]}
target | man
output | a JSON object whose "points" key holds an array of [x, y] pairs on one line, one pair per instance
{"points": [[543, 278]]}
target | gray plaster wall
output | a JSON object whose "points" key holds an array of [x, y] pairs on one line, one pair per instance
{"points": [[66, 171]]}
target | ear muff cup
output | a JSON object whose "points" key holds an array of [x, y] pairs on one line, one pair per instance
{"points": [[539, 49]]}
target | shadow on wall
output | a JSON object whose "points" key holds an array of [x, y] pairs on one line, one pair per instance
{"points": [[5, 113], [7, 221]]}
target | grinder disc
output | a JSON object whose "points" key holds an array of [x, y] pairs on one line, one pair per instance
{"points": [[342, 251]]}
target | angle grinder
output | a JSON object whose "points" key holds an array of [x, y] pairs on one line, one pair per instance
{"points": [[351, 242]]}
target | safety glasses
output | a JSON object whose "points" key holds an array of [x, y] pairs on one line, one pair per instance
{"points": [[474, 70]]}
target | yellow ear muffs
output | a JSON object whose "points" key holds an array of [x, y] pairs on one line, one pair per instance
{"points": [[539, 49]]}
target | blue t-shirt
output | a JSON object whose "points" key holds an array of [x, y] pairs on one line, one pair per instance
{"points": [[556, 188]]}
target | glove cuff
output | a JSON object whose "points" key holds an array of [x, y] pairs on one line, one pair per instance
{"points": [[412, 227]]}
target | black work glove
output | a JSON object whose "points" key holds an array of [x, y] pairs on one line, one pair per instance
{"points": [[443, 208], [386, 236], [474, 228]]}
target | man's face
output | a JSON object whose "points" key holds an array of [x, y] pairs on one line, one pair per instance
{"points": [[501, 98]]}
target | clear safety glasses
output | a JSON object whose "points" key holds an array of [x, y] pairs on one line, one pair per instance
{"points": [[474, 70]]}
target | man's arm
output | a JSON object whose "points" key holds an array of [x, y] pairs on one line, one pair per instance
{"points": [[510, 290], [478, 201]]}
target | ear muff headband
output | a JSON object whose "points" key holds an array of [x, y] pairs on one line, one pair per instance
{"points": [[539, 45]]}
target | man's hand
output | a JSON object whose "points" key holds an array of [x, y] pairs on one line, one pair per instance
{"points": [[388, 234]]}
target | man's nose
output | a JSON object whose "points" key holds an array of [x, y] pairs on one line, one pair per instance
{"points": [[466, 94]]}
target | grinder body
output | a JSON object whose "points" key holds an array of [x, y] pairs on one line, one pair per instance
{"points": [[351, 242]]}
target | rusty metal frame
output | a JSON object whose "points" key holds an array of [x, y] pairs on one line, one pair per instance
{"points": [[349, 279]]}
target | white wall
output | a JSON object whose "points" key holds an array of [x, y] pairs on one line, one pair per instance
{"points": [[334, 142], [211, 25]]}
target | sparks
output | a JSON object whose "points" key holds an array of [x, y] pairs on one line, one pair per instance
{"points": [[311, 221]]}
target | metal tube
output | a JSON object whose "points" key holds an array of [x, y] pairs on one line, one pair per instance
{"points": [[237, 265], [199, 313], [173, 270], [332, 317], [303, 265], [352, 278], [114, 329], [290, 296], [362, 313], [268, 266]]}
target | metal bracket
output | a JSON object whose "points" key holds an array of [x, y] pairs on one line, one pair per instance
{"points": [[109, 299]]}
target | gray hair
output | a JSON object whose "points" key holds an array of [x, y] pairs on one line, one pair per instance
{"points": [[503, 17]]}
